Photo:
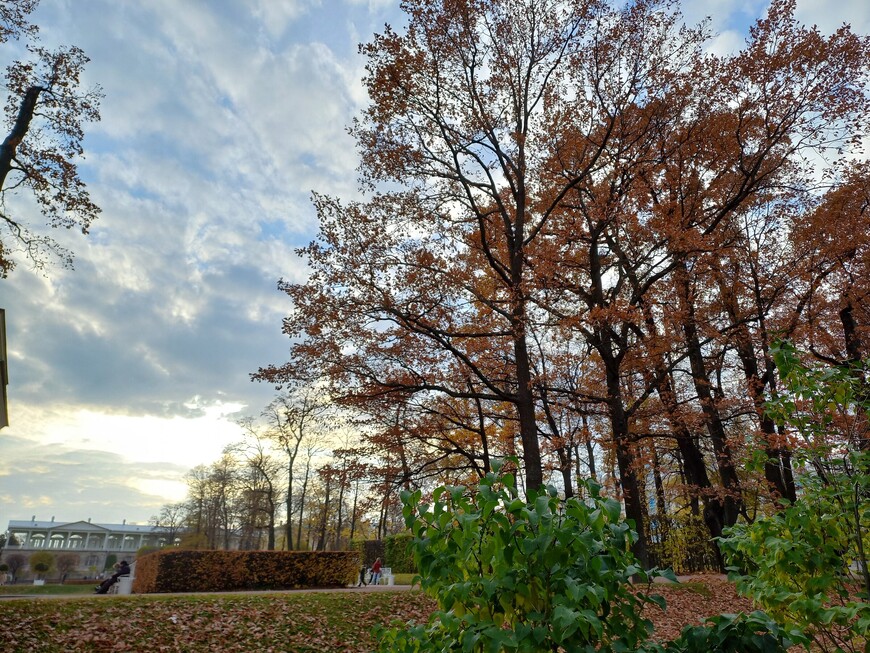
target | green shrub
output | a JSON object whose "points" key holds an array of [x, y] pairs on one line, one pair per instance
{"points": [[794, 563], [539, 575], [730, 633]]}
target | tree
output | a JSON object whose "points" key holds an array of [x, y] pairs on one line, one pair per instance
{"points": [[46, 109], [15, 561], [553, 187], [170, 522], [259, 478], [214, 504], [465, 108], [41, 562], [293, 422], [65, 563]]}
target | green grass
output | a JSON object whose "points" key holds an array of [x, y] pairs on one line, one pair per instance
{"points": [[404, 579]]}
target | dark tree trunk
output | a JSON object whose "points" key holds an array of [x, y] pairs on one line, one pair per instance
{"points": [[733, 500], [302, 503], [18, 132], [324, 516], [624, 445]]}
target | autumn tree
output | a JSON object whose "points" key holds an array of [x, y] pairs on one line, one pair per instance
{"points": [[213, 504], [41, 562], [260, 478], [559, 187], [294, 420], [751, 170], [657, 248], [461, 117], [832, 249], [15, 562], [66, 563], [46, 109], [170, 522]]}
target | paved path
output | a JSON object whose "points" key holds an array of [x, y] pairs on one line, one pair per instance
{"points": [[351, 588]]}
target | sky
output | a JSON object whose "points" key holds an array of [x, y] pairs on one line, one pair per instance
{"points": [[220, 118]]}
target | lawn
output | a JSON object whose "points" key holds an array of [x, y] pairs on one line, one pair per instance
{"points": [[52, 590], [335, 621], [279, 621]]}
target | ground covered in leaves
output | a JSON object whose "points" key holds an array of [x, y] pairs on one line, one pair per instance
{"points": [[298, 622]]}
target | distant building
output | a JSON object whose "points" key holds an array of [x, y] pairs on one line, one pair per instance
{"points": [[94, 543]]}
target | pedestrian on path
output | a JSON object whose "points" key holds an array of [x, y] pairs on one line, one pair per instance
{"points": [[362, 576], [376, 572]]}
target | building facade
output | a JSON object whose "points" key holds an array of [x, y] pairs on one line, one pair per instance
{"points": [[93, 543]]}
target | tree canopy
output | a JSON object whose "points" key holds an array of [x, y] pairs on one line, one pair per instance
{"points": [[46, 109], [581, 232]]}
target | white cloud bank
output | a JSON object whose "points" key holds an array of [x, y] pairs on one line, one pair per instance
{"points": [[219, 120]]}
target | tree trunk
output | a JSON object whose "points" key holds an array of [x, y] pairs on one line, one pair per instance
{"points": [[302, 503], [288, 530], [321, 540], [340, 517], [733, 500], [525, 405], [18, 132], [631, 492]]}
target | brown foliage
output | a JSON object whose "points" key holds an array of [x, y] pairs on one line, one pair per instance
{"points": [[593, 218], [221, 571], [46, 110], [313, 622]]}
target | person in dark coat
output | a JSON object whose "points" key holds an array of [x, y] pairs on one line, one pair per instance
{"points": [[123, 569]]}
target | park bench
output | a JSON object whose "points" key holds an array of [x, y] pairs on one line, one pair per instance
{"points": [[387, 576], [125, 583]]}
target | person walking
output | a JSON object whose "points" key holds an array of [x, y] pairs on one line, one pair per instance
{"points": [[362, 576], [376, 572]]}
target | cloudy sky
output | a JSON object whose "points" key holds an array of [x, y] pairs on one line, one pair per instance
{"points": [[220, 118]]}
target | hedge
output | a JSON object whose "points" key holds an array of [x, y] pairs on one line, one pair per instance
{"points": [[398, 554], [221, 571], [369, 550]]}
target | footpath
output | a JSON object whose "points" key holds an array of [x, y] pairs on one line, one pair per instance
{"points": [[108, 597]]}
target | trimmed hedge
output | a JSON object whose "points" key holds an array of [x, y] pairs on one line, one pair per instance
{"points": [[398, 554], [222, 571], [369, 550]]}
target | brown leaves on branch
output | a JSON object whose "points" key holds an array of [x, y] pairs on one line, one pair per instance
{"points": [[589, 217], [46, 110]]}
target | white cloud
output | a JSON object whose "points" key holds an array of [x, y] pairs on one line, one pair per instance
{"points": [[830, 16], [219, 119]]}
